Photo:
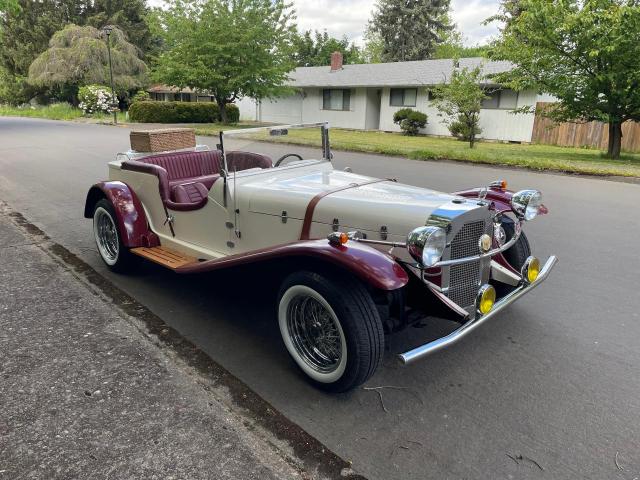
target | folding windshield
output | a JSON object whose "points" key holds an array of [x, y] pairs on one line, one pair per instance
{"points": [[275, 146]]}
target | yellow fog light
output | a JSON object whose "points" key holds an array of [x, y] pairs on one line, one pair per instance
{"points": [[531, 269], [486, 299]]}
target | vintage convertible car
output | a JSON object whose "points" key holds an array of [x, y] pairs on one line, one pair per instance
{"points": [[360, 257]]}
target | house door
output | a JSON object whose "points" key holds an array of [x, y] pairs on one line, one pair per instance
{"points": [[372, 120]]}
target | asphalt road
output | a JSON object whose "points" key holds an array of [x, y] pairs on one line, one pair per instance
{"points": [[554, 379]]}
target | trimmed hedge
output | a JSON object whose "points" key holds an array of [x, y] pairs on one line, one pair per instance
{"points": [[180, 112]]}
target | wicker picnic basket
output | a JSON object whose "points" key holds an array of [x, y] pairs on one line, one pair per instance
{"points": [[162, 140]]}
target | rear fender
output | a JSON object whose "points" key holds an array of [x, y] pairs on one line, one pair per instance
{"points": [[131, 219], [373, 267]]}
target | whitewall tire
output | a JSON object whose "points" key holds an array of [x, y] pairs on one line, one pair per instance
{"points": [[331, 328]]}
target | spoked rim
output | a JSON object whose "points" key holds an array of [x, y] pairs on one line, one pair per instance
{"points": [[106, 235], [312, 333]]}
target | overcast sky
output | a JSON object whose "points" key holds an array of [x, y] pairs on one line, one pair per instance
{"points": [[349, 17]]}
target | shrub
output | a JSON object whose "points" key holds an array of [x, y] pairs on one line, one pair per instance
{"points": [[140, 96], [410, 121], [465, 128], [179, 112], [94, 99]]}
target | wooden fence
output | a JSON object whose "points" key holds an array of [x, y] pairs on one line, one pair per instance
{"points": [[591, 134]]}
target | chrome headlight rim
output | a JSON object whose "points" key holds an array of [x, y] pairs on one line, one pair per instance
{"points": [[427, 244], [526, 203]]}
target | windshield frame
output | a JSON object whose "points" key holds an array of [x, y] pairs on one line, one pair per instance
{"points": [[324, 132]]}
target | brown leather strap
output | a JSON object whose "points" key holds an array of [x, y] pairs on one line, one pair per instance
{"points": [[308, 216]]}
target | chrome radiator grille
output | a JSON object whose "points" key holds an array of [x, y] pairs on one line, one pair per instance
{"points": [[465, 279]]}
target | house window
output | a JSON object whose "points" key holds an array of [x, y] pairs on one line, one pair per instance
{"points": [[336, 99], [501, 99], [403, 97], [185, 97]]}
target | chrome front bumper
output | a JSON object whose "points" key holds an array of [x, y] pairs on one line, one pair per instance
{"points": [[431, 347]]}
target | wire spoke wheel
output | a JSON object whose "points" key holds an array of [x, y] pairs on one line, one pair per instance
{"points": [[106, 235], [314, 333]]}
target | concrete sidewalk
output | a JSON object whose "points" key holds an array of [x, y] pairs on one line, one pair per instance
{"points": [[85, 393]]}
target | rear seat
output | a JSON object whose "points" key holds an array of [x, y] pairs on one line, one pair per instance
{"points": [[184, 177]]}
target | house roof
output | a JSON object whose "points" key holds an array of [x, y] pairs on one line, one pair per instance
{"points": [[159, 88], [400, 74]]}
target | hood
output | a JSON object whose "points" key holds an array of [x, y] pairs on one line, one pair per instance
{"points": [[398, 207]]}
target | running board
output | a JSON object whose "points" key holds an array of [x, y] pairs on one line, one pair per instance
{"points": [[164, 256]]}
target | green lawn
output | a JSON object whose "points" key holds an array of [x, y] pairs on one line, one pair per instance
{"points": [[56, 111], [536, 157]]}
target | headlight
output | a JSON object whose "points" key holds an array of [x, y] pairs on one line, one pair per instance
{"points": [[526, 203], [426, 245]]}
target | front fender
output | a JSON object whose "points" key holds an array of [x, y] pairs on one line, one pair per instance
{"points": [[373, 267], [131, 219], [500, 198]]}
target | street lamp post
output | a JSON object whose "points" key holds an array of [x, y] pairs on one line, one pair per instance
{"points": [[107, 31]]}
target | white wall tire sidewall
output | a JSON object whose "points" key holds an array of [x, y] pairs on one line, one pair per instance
{"points": [[105, 257], [283, 308]]}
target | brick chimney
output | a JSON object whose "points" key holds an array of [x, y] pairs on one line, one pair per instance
{"points": [[336, 61]]}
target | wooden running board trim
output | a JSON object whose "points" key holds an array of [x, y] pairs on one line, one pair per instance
{"points": [[164, 256]]}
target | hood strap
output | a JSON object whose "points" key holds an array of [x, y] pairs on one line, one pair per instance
{"points": [[308, 215]]}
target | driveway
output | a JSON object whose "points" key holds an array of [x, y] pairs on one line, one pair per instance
{"points": [[549, 389]]}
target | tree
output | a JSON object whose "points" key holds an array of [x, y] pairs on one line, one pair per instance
{"points": [[586, 53], [459, 101], [78, 56], [453, 46], [410, 29], [230, 48], [128, 15], [25, 32], [373, 46], [9, 6], [314, 49]]}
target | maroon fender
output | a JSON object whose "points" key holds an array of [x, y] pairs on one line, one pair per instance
{"points": [[499, 197], [372, 266], [132, 221]]}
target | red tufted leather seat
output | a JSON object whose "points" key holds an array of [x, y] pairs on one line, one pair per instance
{"points": [[186, 177], [180, 169], [237, 161]]}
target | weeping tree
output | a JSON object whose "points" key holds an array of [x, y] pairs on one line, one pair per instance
{"points": [[78, 56]]}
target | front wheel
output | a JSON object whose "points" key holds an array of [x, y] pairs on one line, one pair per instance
{"points": [[105, 230], [331, 328]]}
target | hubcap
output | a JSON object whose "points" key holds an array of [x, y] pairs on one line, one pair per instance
{"points": [[106, 236], [314, 333]]}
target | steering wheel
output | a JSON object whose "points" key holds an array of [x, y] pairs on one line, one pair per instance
{"points": [[282, 158]]}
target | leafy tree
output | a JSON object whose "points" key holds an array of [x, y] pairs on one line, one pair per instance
{"points": [[453, 46], [410, 121], [373, 46], [230, 48], [410, 29], [78, 56], [314, 49], [459, 101], [9, 6], [584, 52]]}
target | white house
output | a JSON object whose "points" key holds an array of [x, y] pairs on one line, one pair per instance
{"points": [[366, 96]]}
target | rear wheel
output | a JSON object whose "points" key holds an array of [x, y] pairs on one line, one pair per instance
{"points": [[331, 328], [105, 230]]}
